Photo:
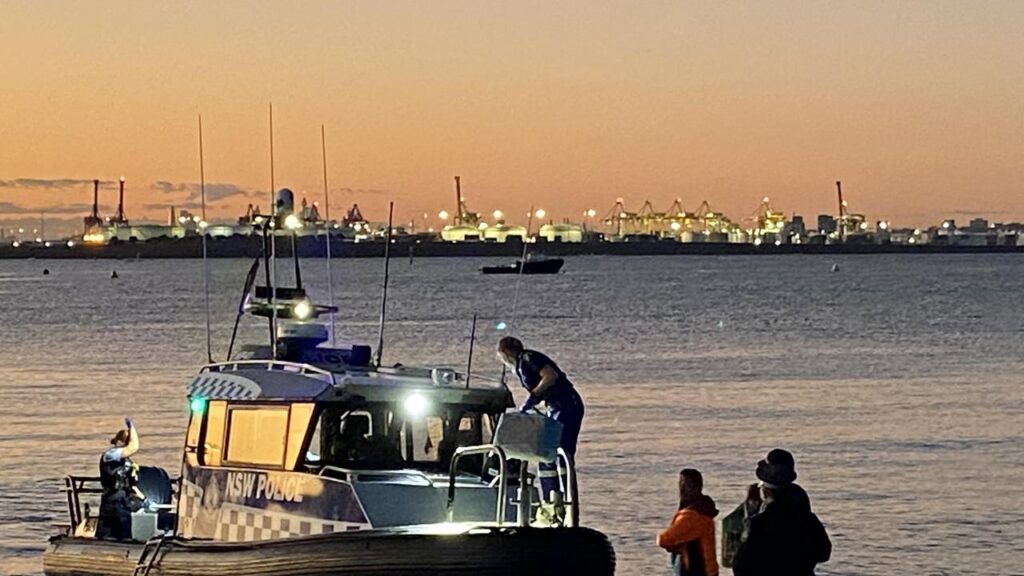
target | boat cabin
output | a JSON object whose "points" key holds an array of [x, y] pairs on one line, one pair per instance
{"points": [[304, 450]]}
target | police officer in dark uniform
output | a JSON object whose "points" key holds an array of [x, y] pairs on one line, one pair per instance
{"points": [[119, 477], [545, 382]]}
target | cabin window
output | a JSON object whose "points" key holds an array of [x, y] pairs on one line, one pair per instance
{"points": [[421, 439], [195, 426], [257, 435], [213, 434], [376, 436]]}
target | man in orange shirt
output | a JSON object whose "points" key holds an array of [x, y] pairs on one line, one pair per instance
{"points": [[691, 536]]}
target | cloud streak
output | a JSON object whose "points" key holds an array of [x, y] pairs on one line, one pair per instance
{"points": [[12, 208], [52, 183], [215, 191]]}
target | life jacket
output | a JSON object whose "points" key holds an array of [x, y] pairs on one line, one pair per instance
{"points": [[118, 476]]}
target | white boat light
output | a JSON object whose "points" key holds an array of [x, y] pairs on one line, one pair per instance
{"points": [[415, 405], [303, 309], [292, 222]]}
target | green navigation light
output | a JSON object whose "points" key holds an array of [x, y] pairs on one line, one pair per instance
{"points": [[197, 405]]}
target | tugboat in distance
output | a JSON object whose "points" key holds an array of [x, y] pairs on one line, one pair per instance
{"points": [[538, 265]]}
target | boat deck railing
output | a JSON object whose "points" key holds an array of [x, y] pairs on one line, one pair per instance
{"points": [[77, 486], [502, 479], [270, 365], [565, 469], [351, 475]]}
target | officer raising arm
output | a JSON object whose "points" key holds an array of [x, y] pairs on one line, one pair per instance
{"points": [[119, 478]]}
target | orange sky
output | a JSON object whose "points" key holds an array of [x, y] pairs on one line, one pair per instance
{"points": [[568, 105]]}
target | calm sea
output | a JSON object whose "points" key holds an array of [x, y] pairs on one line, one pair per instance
{"points": [[896, 382]]}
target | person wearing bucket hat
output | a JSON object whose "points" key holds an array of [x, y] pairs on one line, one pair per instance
{"points": [[777, 469], [786, 537]]}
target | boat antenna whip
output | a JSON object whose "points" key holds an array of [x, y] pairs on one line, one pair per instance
{"points": [[273, 244], [472, 342], [250, 279], [515, 294], [327, 231], [522, 266], [202, 229], [384, 291]]}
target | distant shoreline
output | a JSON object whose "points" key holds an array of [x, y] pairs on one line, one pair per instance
{"points": [[313, 247]]}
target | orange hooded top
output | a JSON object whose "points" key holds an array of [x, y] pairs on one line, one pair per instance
{"points": [[693, 524]]}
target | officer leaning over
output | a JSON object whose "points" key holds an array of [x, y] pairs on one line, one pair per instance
{"points": [[545, 382]]}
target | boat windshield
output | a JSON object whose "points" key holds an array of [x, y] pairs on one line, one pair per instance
{"points": [[382, 437]]}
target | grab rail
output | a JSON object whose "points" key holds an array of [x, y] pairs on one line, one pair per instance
{"points": [[355, 474], [571, 489], [269, 365], [486, 449], [75, 486]]}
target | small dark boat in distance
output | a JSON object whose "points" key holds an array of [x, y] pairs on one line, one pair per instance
{"points": [[540, 266]]}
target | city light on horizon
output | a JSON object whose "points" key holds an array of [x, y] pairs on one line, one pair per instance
{"points": [[920, 129]]}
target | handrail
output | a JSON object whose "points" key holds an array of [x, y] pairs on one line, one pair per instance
{"points": [[74, 486], [351, 474], [485, 449], [570, 490], [270, 365]]}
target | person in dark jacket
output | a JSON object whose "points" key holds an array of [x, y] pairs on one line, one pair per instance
{"points": [[545, 382], [119, 477], [691, 536], [786, 537]]}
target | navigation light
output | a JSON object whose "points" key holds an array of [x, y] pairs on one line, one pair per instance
{"points": [[415, 405], [197, 405]]}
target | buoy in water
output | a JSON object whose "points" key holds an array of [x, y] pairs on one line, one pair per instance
{"points": [[46, 271], [113, 275], [835, 267]]}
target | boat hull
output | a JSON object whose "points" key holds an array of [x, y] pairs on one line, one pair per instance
{"points": [[483, 551], [549, 266]]}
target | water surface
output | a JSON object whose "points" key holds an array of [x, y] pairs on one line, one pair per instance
{"points": [[896, 382]]}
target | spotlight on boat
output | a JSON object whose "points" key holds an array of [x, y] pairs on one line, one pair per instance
{"points": [[415, 405], [303, 309], [292, 222]]}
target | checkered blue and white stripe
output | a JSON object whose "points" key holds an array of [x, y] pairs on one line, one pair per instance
{"points": [[224, 386], [244, 524]]}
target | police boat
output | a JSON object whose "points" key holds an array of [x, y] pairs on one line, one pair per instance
{"points": [[300, 458]]}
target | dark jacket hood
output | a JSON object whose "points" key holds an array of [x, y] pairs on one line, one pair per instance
{"points": [[702, 504]]}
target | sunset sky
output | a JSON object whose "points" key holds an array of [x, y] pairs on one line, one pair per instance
{"points": [[918, 107]]}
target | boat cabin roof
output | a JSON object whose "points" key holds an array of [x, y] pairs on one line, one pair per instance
{"points": [[271, 380]]}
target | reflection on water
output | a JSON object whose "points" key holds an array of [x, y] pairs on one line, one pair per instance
{"points": [[896, 383]]}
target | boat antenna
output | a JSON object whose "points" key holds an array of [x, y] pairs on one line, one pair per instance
{"points": [[202, 229], [272, 278], [250, 279], [384, 291], [515, 294], [472, 342], [522, 266], [327, 229]]}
